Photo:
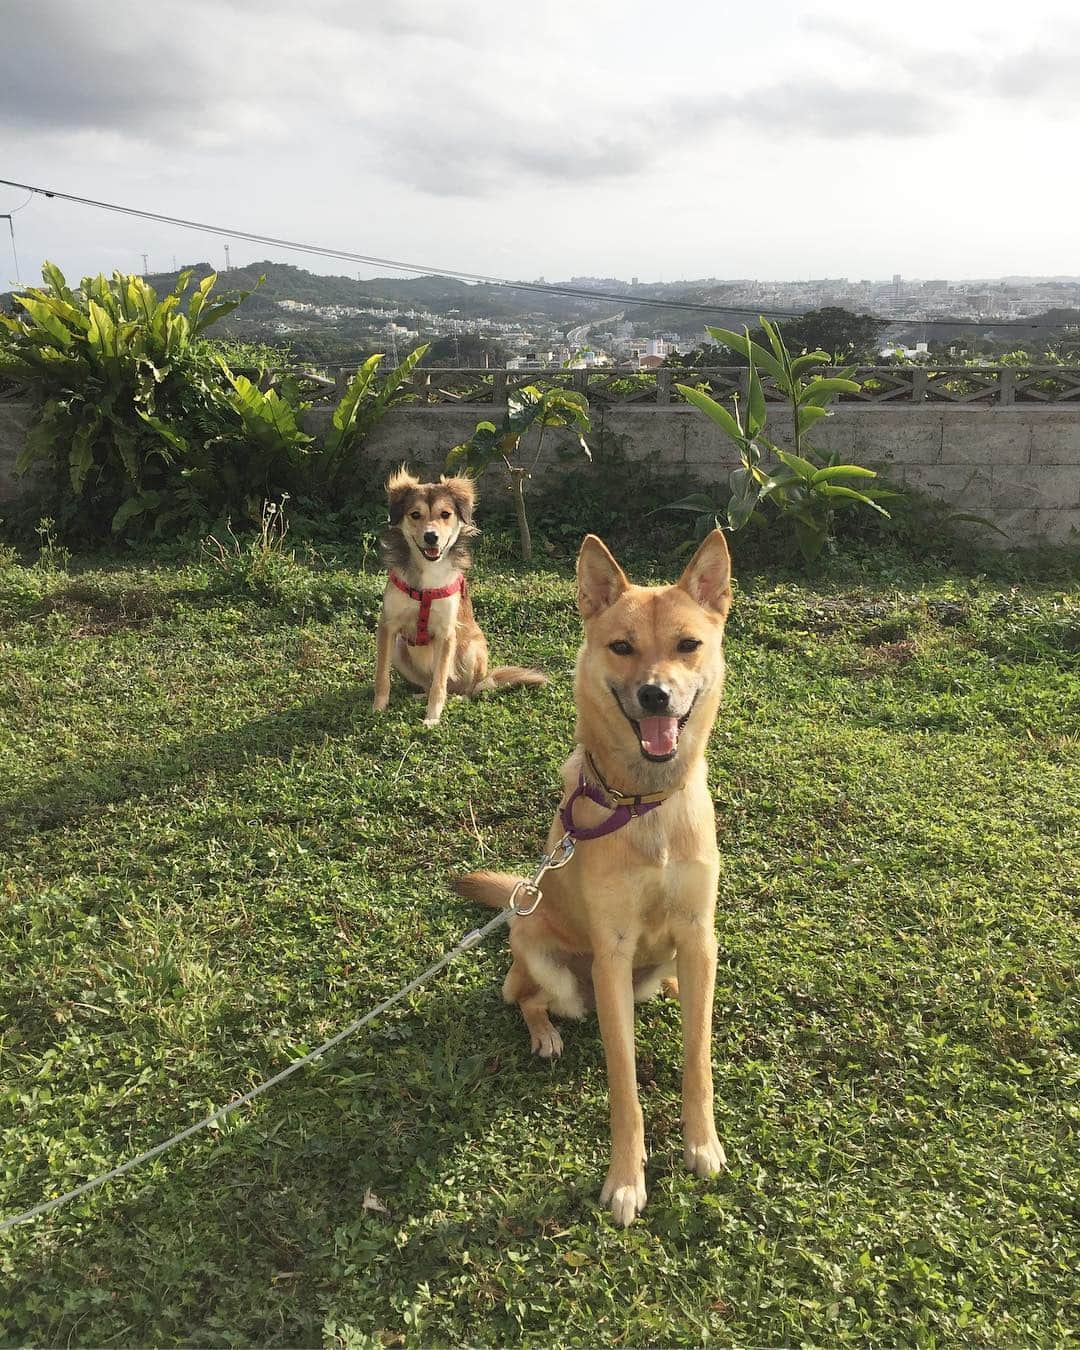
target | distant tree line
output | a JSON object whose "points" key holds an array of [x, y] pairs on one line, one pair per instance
{"points": [[847, 338]]}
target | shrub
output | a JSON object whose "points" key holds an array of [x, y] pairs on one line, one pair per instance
{"points": [[805, 487], [137, 429], [527, 408], [143, 427]]}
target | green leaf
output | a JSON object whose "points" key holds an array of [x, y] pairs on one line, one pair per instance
{"points": [[101, 333], [81, 454], [799, 466], [127, 447], [744, 497], [695, 502], [975, 519], [167, 434], [777, 482], [821, 391], [755, 403], [841, 471], [390, 388], [807, 416], [133, 506], [745, 346], [810, 538], [474, 455], [808, 361], [198, 300], [345, 413], [777, 344], [56, 279], [720, 415], [363, 404], [267, 418], [832, 490], [45, 317], [215, 312]]}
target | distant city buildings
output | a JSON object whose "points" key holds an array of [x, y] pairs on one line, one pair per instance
{"points": [[630, 339]]}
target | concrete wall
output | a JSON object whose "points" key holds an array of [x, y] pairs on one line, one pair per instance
{"points": [[1018, 466]]}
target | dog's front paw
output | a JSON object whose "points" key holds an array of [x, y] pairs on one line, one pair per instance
{"points": [[704, 1154], [432, 719], [624, 1196], [380, 701], [547, 1043]]}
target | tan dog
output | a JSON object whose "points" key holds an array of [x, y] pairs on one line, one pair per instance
{"points": [[426, 629], [635, 904]]}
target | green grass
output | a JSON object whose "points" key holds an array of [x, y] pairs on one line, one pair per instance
{"points": [[212, 856]]}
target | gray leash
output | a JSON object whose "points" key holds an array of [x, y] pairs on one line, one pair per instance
{"points": [[558, 857]]}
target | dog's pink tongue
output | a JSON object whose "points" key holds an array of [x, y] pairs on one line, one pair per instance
{"points": [[659, 735]]}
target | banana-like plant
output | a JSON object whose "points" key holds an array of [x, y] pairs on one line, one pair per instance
{"points": [[366, 400], [269, 421], [527, 408], [134, 419], [805, 486]]}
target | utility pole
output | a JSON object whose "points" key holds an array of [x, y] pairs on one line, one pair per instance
{"points": [[11, 226], [145, 265]]}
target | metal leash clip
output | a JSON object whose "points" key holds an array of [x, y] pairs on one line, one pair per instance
{"points": [[524, 888], [559, 856], [564, 850]]}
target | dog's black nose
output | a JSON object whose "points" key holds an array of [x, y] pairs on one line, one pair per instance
{"points": [[430, 537], [654, 699]]}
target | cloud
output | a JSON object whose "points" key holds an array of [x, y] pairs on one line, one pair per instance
{"points": [[61, 67], [1042, 73], [201, 74], [482, 152], [383, 94], [818, 107], [461, 163], [417, 19]]}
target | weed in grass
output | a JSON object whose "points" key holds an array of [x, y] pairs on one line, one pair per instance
{"points": [[52, 556]]}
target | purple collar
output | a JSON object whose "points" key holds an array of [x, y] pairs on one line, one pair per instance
{"points": [[624, 808]]}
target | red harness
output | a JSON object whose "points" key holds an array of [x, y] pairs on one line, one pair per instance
{"points": [[423, 637]]}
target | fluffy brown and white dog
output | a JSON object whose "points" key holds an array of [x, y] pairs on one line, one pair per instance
{"points": [[427, 630], [634, 907]]}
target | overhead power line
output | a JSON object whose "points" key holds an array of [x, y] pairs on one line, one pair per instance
{"points": [[424, 269]]}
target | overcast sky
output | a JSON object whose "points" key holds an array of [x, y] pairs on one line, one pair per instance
{"points": [[614, 139]]}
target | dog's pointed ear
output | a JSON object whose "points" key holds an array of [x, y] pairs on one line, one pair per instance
{"points": [[463, 494], [398, 486], [708, 574], [600, 578]]}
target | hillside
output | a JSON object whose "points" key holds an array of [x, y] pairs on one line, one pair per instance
{"points": [[439, 295]]}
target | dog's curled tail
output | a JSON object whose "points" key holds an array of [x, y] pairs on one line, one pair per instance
{"points": [[486, 888], [507, 675]]}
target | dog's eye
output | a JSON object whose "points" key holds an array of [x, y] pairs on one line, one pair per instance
{"points": [[414, 515], [689, 644], [446, 515], [621, 647]]}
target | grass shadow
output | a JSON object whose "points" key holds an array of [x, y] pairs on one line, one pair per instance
{"points": [[82, 789]]}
